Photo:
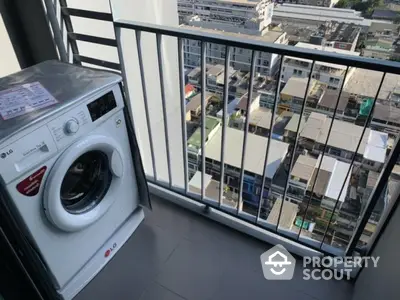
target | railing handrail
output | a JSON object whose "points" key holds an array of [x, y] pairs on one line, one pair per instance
{"points": [[310, 54]]}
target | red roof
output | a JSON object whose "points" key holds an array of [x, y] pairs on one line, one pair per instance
{"points": [[189, 88]]}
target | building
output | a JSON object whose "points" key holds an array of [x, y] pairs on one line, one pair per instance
{"points": [[238, 13], [260, 121], [324, 3], [340, 36], [193, 107], [330, 34], [194, 143], [384, 14], [381, 48], [254, 161], [364, 85], [290, 132], [266, 63], [312, 15], [331, 74], [343, 140], [327, 186], [293, 94], [383, 30], [190, 91]]}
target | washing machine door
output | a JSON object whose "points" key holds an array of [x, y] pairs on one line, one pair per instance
{"points": [[78, 186]]}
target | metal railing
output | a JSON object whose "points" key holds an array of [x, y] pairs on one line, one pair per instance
{"points": [[256, 47]]}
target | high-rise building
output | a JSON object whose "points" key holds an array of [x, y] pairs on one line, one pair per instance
{"points": [[232, 12]]}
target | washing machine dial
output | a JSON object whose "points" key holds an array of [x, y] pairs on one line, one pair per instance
{"points": [[71, 126]]}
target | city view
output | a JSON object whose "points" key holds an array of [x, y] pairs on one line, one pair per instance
{"points": [[324, 129]]}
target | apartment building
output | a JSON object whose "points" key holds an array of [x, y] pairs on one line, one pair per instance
{"points": [[194, 143], [251, 13], [343, 140], [324, 3], [313, 15], [331, 74], [331, 177], [293, 94], [363, 85], [254, 165], [266, 63]]}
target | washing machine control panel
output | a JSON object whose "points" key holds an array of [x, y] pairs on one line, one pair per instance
{"points": [[67, 127], [71, 126]]}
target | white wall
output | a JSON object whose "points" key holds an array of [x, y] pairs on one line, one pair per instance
{"points": [[150, 11], [8, 60]]}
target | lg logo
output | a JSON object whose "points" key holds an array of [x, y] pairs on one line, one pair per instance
{"points": [[109, 251], [5, 154]]}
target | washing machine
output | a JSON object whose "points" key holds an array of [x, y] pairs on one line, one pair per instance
{"points": [[70, 169]]}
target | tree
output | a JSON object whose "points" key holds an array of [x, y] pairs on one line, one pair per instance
{"points": [[342, 4]]}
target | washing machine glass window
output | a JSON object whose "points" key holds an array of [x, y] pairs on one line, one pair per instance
{"points": [[86, 182]]}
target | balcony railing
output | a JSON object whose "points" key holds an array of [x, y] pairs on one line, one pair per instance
{"points": [[241, 196]]}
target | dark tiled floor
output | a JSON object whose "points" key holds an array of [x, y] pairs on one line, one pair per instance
{"points": [[176, 255]]}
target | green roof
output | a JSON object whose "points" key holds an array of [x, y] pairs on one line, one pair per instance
{"points": [[195, 139], [379, 43]]}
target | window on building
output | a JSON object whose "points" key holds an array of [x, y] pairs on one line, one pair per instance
{"points": [[369, 163]]}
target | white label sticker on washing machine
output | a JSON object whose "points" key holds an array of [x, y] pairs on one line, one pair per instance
{"points": [[23, 99]]}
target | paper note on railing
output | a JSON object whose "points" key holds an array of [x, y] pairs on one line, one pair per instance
{"points": [[23, 99]]}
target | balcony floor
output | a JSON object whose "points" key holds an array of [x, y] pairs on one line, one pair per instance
{"points": [[176, 254]]}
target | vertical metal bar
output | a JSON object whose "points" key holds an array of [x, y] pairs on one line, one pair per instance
{"points": [[164, 104], [323, 151], [353, 159], [224, 121], [274, 108], [203, 117], [58, 38], [145, 99], [183, 111], [246, 127], [69, 28], [295, 144]]}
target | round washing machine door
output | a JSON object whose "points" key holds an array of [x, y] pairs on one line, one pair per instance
{"points": [[78, 188]]}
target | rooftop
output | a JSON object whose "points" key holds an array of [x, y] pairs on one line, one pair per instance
{"points": [[195, 101], [330, 98], [345, 32], [331, 175], [195, 138], [345, 135], [383, 44], [322, 48], [242, 105], [384, 14], [255, 152], [320, 14], [366, 83], [215, 70], [288, 215], [304, 167], [387, 112], [381, 27], [294, 122], [261, 117], [296, 87], [270, 36], [327, 49]]}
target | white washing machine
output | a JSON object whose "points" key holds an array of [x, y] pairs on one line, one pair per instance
{"points": [[70, 169]]}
